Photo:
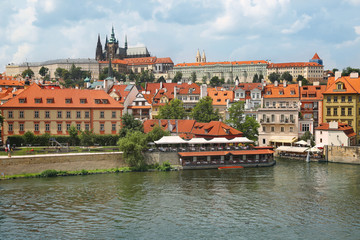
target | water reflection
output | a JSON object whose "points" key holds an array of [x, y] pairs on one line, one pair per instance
{"points": [[290, 200]]}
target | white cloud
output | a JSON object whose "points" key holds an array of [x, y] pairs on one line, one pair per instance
{"points": [[298, 25], [357, 30], [22, 52], [354, 2], [49, 5], [353, 42]]}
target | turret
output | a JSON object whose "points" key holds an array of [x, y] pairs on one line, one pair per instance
{"points": [[99, 51], [126, 44], [198, 57], [203, 58]]}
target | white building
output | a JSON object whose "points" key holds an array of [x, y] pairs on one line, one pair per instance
{"points": [[335, 134]]}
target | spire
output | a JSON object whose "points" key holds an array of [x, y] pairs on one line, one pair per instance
{"points": [[203, 58], [198, 57], [126, 44], [99, 52], [112, 37]]}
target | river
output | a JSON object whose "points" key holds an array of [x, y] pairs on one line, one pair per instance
{"points": [[292, 200]]}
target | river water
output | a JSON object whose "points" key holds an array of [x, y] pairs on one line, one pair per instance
{"points": [[292, 200]]}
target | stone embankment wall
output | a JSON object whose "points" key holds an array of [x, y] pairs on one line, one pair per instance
{"points": [[342, 154], [60, 162], [161, 157]]}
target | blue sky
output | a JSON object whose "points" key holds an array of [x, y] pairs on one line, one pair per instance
{"points": [[276, 30]]}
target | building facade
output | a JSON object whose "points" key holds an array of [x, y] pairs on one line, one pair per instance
{"points": [[53, 111]]}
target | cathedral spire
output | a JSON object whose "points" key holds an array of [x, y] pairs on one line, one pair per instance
{"points": [[126, 44], [203, 58], [198, 57], [99, 51]]}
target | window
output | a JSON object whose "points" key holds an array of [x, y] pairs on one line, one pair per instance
{"points": [[305, 127], [105, 101], [264, 141], [87, 127], [68, 125], [21, 114], [349, 111], [22, 100], [274, 104], [328, 111], [339, 86], [21, 127], [78, 126], [342, 111], [335, 99], [68, 100], [87, 114], [282, 118], [68, 114], [10, 127], [291, 129], [264, 129], [36, 114], [282, 129], [59, 127], [38, 100], [47, 114], [101, 127], [349, 98], [102, 114], [273, 129], [335, 112], [113, 127], [272, 118], [328, 99], [49, 100], [350, 123], [78, 114], [83, 100], [10, 114], [47, 127], [113, 114], [343, 99], [59, 114], [36, 127]]}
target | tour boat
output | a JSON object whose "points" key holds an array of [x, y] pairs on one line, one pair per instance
{"points": [[230, 167]]}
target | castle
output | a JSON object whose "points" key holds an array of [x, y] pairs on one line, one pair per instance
{"points": [[113, 51]]}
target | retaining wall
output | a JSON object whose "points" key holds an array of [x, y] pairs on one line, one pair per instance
{"points": [[60, 162], [160, 157], [341, 154]]}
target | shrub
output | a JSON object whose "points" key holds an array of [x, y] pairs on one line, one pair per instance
{"points": [[164, 167], [84, 172], [17, 140], [29, 137], [49, 173]]}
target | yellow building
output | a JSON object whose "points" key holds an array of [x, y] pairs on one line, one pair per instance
{"points": [[53, 111], [341, 102]]}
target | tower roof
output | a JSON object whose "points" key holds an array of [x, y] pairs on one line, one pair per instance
{"points": [[316, 56]]}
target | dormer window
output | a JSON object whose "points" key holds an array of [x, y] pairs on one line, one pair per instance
{"points": [[82, 100], [22, 100], [97, 101], [105, 101], [49, 100], [292, 92], [281, 92], [68, 100], [339, 86], [268, 93], [38, 100]]}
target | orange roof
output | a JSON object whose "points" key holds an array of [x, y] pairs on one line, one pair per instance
{"points": [[164, 60], [226, 63], [11, 83], [215, 129], [115, 61], [223, 153], [290, 91], [220, 97], [350, 86], [140, 61], [36, 97], [347, 129], [248, 86], [120, 91], [293, 64], [312, 92], [185, 88], [183, 126], [316, 56]]}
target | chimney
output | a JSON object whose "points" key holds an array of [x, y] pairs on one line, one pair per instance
{"points": [[316, 83], [300, 83], [354, 75], [333, 125], [337, 75], [161, 85], [284, 83], [203, 91], [276, 83], [175, 88]]}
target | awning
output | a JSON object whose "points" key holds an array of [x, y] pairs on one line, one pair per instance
{"points": [[219, 140], [302, 142], [283, 139], [198, 141], [313, 149], [320, 145], [240, 140], [171, 140], [291, 149]]}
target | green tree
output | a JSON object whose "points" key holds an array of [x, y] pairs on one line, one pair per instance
{"points": [[172, 110], [29, 137], [274, 77], [161, 79], [156, 133], [256, 78], [132, 146], [43, 71], [261, 77], [177, 77], [215, 81], [204, 79], [250, 128], [236, 115], [286, 76], [73, 133], [308, 136], [303, 80], [334, 70], [87, 138], [28, 72], [130, 124], [348, 70], [204, 111], [193, 77]]}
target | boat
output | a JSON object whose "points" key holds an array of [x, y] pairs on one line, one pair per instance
{"points": [[230, 167]]}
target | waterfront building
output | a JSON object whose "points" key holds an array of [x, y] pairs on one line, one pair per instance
{"points": [[243, 71], [335, 134], [313, 70], [279, 115], [140, 107], [341, 101], [190, 94], [53, 111], [221, 99]]}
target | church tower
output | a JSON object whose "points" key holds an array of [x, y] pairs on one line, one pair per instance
{"points": [[112, 46], [99, 52], [203, 58], [198, 57]]}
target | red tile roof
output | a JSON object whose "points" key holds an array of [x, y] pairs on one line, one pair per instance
{"points": [[290, 91], [57, 98], [220, 97], [11, 83], [248, 86], [164, 60], [215, 129], [223, 153], [293, 64], [120, 91], [351, 85], [151, 87], [316, 56], [140, 61], [219, 63], [348, 130], [312, 92], [184, 88]]}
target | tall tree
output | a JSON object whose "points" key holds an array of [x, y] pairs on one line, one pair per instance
{"points": [[204, 79], [193, 77], [274, 77], [204, 111], [255, 78], [132, 146], [130, 124], [303, 80], [250, 128], [172, 110], [216, 82], [286, 76], [156, 133], [348, 70], [161, 79], [28, 72], [43, 71], [236, 114], [177, 77]]}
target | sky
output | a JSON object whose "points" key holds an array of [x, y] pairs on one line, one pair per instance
{"points": [[227, 30]]}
